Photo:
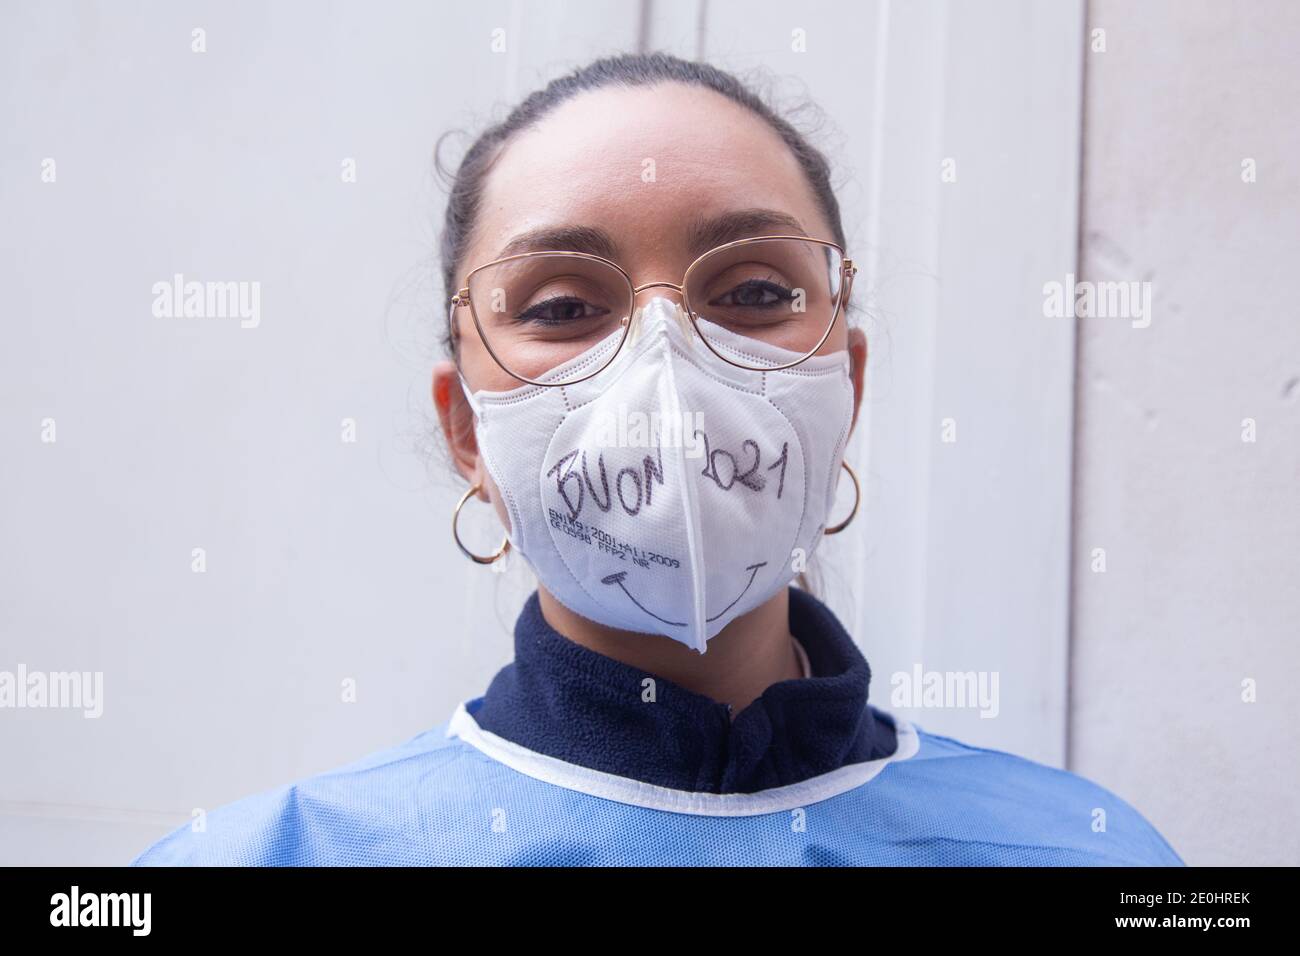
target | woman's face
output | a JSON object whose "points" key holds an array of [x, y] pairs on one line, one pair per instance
{"points": [[643, 166]]}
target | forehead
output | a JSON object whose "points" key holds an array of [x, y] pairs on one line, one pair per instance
{"points": [[639, 163]]}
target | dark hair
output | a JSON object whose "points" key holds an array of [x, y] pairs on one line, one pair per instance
{"points": [[626, 70]]}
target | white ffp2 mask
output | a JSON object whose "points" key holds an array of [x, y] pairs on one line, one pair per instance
{"points": [[671, 492]]}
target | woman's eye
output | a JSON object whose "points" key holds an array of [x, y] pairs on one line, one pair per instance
{"points": [[755, 293], [559, 311]]}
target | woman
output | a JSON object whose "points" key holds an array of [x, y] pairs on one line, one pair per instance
{"points": [[652, 380]]}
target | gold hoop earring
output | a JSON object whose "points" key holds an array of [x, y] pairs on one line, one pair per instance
{"points": [[455, 516], [857, 496]]}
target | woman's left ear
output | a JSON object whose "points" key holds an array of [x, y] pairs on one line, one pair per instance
{"points": [[857, 369]]}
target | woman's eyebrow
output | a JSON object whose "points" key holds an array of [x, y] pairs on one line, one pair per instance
{"points": [[702, 234], [591, 240], [707, 232]]}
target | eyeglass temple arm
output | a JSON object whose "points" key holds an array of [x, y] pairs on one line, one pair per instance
{"points": [[458, 300]]}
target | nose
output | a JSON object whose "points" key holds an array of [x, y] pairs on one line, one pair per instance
{"points": [[664, 305], [679, 309]]}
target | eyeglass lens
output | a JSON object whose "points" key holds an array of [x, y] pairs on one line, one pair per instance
{"points": [[541, 311]]}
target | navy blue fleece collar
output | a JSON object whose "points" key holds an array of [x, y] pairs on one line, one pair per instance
{"points": [[569, 702]]}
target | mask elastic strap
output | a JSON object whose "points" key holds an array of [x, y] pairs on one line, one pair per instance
{"points": [[469, 395]]}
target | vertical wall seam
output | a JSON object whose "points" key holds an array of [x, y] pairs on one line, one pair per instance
{"points": [[643, 26], [940, 131], [870, 263], [1072, 573]]}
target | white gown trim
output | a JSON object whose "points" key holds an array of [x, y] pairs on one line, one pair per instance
{"points": [[610, 786]]}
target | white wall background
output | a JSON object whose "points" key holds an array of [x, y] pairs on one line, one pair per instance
{"points": [[1201, 530], [329, 561]]}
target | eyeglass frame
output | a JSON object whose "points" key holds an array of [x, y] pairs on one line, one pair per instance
{"points": [[462, 297]]}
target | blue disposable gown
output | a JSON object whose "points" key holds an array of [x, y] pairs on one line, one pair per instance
{"points": [[439, 800], [563, 763]]}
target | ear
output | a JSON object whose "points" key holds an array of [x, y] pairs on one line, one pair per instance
{"points": [[857, 369], [457, 420]]}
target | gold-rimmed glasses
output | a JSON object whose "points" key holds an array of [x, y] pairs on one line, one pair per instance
{"points": [[536, 312]]}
